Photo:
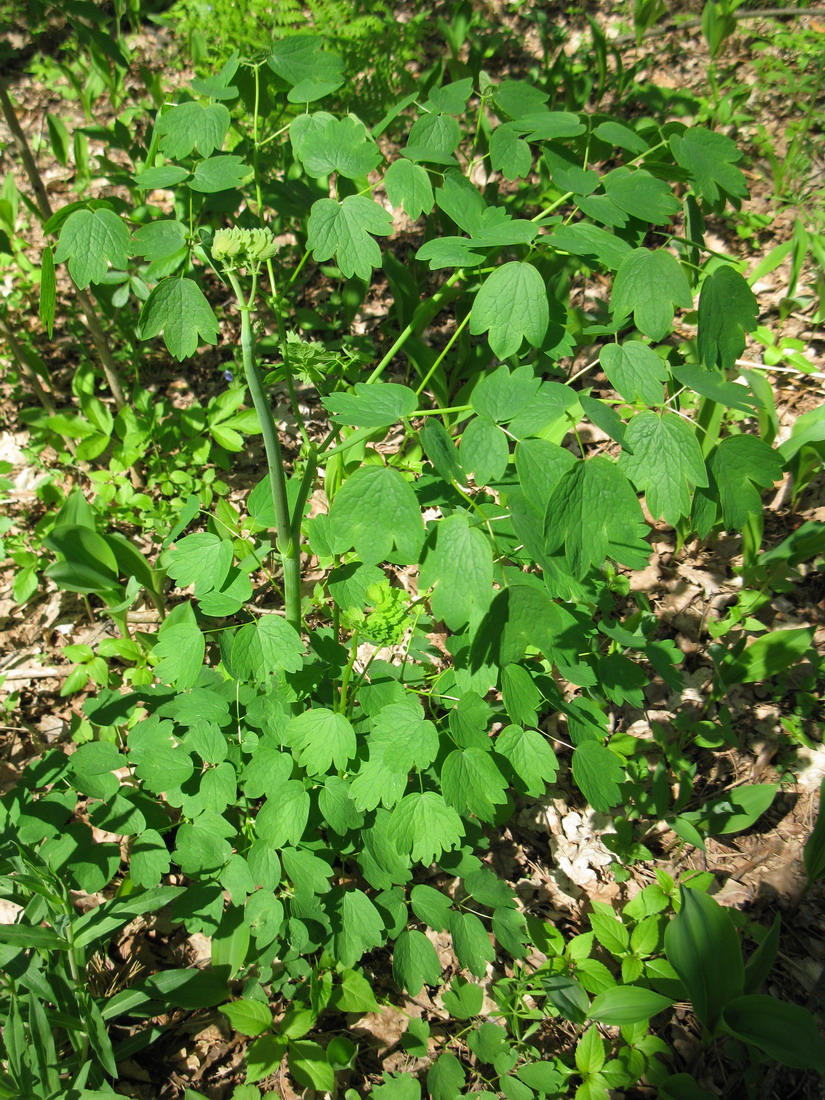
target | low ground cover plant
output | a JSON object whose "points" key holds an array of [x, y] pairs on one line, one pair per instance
{"points": [[348, 692]]}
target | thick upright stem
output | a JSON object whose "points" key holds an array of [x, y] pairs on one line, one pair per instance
{"points": [[288, 545], [45, 207]]}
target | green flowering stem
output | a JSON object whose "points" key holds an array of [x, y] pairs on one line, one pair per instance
{"points": [[288, 545]]}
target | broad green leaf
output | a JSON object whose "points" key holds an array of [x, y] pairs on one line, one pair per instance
{"points": [[463, 1000], [449, 252], [445, 1077], [484, 451], [520, 696], [549, 125], [635, 371], [424, 826], [590, 1054], [584, 239], [592, 512], [167, 176], [441, 451], [309, 1066], [159, 239], [663, 459], [202, 559], [408, 185], [337, 807], [373, 511], [627, 1004], [710, 383], [696, 939], [776, 652], [301, 61], [283, 817], [267, 646], [202, 848], [459, 566], [649, 285], [516, 98], [372, 406], [190, 126], [471, 943], [180, 647], [598, 773], [264, 1056], [739, 464], [346, 230], [431, 906], [91, 240], [355, 994], [433, 138], [786, 1032], [219, 174], [382, 779], [403, 728], [641, 195], [623, 136], [149, 859], [414, 962], [567, 170], [473, 783], [503, 394], [264, 915], [321, 738], [357, 926], [530, 757], [727, 310], [178, 309], [451, 98], [814, 853], [325, 145], [248, 1017], [511, 305], [710, 158], [509, 154]]}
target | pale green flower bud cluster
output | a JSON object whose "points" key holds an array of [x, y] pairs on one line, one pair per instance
{"points": [[243, 246]]}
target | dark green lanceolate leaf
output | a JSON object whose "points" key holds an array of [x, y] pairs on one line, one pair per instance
{"points": [[219, 174], [786, 1032], [649, 285], [641, 195], [190, 126], [372, 406], [408, 185], [710, 158], [424, 826], [180, 647], [814, 854], [265, 647], [592, 512], [374, 510], [509, 154], [530, 757], [598, 774], [473, 783], [727, 310], [415, 962], [459, 567], [511, 305], [90, 240], [739, 464], [325, 145], [663, 459], [627, 1004], [48, 290], [696, 939], [346, 230], [302, 62], [635, 371], [178, 309], [321, 738]]}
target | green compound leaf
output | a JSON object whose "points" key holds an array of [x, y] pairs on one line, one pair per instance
{"points": [[357, 926], [283, 817], [343, 230], [593, 513], [510, 306], [301, 61], [402, 1087], [433, 138], [265, 647], [160, 239], [372, 406], [727, 310], [584, 239], [219, 174], [503, 394], [472, 944], [321, 738], [373, 511], [530, 757], [641, 195], [473, 783], [649, 285], [663, 459], [180, 647], [463, 1000], [178, 309], [460, 567], [739, 464], [409, 737], [424, 826], [202, 848], [710, 158], [190, 126], [382, 779], [415, 962], [408, 185], [568, 172], [509, 154], [202, 559], [91, 240], [634, 371], [325, 145], [598, 773]]}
